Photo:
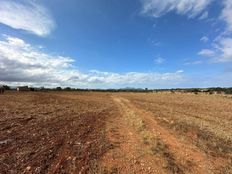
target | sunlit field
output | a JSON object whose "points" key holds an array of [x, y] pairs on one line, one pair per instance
{"points": [[93, 132]]}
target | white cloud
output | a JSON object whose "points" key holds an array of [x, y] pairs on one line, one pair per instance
{"points": [[159, 60], [224, 49], [134, 78], [19, 61], [197, 62], [26, 15], [207, 53], [204, 39], [227, 14], [204, 15], [191, 8], [22, 63], [221, 51]]}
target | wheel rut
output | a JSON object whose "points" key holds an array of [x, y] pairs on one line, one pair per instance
{"points": [[141, 145], [128, 153]]}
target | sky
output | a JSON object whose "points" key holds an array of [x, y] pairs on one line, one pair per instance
{"points": [[116, 43]]}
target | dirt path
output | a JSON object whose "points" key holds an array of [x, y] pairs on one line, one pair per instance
{"points": [[141, 145], [128, 153]]}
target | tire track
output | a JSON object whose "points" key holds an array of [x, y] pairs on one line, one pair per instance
{"points": [[163, 148], [128, 153]]}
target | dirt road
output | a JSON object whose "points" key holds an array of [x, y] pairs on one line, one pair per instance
{"points": [[143, 146]]}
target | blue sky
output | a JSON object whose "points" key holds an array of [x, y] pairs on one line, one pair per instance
{"points": [[116, 43]]}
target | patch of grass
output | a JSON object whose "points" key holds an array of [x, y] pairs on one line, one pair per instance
{"points": [[160, 148], [114, 130], [112, 170], [228, 168], [141, 125], [205, 140], [135, 121], [156, 145], [147, 137]]}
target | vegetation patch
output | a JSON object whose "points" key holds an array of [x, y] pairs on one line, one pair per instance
{"points": [[204, 139], [158, 147]]}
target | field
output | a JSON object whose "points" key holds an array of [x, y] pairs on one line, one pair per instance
{"points": [[108, 133]]}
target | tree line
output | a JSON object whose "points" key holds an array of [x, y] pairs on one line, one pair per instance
{"points": [[218, 90]]}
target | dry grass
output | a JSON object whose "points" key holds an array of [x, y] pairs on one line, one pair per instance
{"points": [[158, 147], [155, 146], [112, 170], [204, 120], [208, 115]]}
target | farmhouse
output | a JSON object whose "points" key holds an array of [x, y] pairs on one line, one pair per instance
{"points": [[23, 88]]}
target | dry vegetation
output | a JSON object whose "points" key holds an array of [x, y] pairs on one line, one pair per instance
{"points": [[90, 132], [203, 120]]}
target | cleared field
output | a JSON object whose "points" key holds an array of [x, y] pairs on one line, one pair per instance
{"points": [[52, 132], [84, 132]]}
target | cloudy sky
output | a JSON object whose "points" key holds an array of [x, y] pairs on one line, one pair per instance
{"points": [[116, 43]]}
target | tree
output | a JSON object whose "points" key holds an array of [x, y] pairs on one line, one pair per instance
{"points": [[6, 87], [59, 89], [67, 89]]}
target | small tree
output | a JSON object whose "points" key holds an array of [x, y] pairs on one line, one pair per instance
{"points": [[6, 87], [67, 89], [59, 89]]}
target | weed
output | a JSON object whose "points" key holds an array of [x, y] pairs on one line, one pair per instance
{"points": [[160, 148], [112, 170]]}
